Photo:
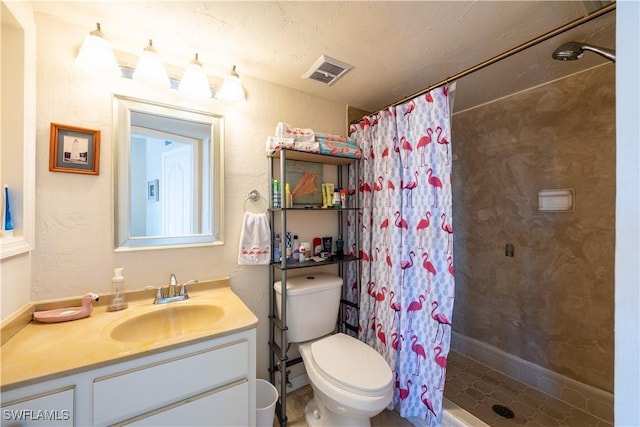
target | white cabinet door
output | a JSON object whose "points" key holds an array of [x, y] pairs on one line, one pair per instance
{"points": [[222, 407], [50, 410], [126, 394]]}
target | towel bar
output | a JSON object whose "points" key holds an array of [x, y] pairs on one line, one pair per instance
{"points": [[254, 196]]}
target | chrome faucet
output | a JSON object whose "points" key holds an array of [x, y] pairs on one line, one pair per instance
{"points": [[171, 291], [173, 282]]}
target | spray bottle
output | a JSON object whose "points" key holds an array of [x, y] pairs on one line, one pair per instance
{"points": [[117, 287]]}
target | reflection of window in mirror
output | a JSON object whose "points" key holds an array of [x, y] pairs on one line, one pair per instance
{"points": [[172, 189], [179, 164]]}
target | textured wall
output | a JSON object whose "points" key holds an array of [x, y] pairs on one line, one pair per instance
{"points": [[551, 304]]}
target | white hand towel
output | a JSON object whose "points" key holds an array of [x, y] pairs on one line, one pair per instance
{"points": [[255, 240]]}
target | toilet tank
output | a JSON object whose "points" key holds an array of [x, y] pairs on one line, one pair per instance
{"points": [[313, 301]]}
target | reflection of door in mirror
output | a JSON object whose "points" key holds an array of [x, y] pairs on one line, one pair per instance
{"points": [[169, 175], [177, 202]]}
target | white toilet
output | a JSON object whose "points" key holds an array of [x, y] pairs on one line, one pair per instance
{"points": [[351, 381]]}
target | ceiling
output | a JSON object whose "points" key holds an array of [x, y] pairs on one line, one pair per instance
{"points": [[396, 48]]}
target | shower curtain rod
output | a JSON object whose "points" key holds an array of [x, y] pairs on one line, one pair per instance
{"points": [[568, 26]]}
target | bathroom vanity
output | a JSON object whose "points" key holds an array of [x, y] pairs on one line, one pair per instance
{"points": [[178, 377]]}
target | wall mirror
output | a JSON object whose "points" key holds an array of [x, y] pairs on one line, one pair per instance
{"points": [[168, 175]]}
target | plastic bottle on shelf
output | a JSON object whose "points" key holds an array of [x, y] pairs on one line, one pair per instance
{"points": [[296, 248], [289, 255], [277, 202], [339, 248], [277, 252], [302, 253], [288, 201], [336, 202]]}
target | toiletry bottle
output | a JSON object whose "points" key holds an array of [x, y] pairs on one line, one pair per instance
{"points": [[327, 243], [118, 301], [302, 253], [277, 252], [296, 248], [288, 247], [339, 248], [276, 194], [288, 197], [324, 195], [336, 199]]}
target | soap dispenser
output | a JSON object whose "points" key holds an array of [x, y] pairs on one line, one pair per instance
{"points": [[117, 287]]}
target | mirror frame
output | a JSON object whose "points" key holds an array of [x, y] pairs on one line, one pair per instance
{"points": [[123, 241]]}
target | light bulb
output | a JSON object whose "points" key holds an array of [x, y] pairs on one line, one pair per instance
{"points": [[195, 83], [96, 54], [232, 89], [150, 69]]}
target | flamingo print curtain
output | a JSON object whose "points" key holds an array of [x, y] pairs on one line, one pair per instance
{"points": [[407, 292]]}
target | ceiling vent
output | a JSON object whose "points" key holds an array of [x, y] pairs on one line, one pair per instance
{"points": [[327, 70]]}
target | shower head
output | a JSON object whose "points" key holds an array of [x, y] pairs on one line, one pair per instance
{"points": [[574, 50]]}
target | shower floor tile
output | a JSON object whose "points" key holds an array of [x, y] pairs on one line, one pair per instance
{"points": [[476, 388]]}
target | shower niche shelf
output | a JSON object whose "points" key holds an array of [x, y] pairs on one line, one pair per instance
{"points": [[278, 344]]}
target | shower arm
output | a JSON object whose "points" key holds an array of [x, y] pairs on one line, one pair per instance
{"points": [[607, 53]]}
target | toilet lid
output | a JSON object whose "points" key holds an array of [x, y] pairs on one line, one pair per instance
{"points": [[351, 364]]}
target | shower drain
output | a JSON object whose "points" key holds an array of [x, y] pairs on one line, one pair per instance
{"points": [[503, 411]]}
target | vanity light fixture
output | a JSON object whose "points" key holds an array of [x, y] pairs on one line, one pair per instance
{"points": [[231, 89], [195, 83], [96, 54], [150, 69]]}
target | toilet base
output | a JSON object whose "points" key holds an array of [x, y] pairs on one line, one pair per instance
{"points": [[317, 415]]}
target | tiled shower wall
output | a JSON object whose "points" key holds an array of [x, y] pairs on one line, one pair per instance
{"points": [[552, 302]]}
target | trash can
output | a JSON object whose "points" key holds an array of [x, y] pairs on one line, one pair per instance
{"points": [[266, 398]]}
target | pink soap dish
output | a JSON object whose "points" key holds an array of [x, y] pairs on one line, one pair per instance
{"points": [[69, 313]]}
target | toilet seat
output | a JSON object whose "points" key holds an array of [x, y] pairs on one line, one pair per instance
{"points": [[351, 365]]}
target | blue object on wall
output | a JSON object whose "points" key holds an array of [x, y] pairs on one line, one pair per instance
{"points": [[8, 222]]}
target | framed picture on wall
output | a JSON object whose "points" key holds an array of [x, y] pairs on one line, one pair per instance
{"points": [[73, 149], [152, 191]]}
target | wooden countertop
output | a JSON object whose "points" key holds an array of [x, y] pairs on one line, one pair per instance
{"points": [[33, 351]]}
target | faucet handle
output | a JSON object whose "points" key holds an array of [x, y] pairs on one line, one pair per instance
{"points": [[183, 288], [158, 289], [172, 280]]}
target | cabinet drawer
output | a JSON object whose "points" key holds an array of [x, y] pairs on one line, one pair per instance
{"points": [[136, 391], [222, 407], [46, 409]]}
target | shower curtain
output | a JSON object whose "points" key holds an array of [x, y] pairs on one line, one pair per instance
{"points": [[407, 292]]}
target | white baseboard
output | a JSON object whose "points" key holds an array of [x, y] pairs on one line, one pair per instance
{"points": [[298, 382], [297, 377], [594, 401]]}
